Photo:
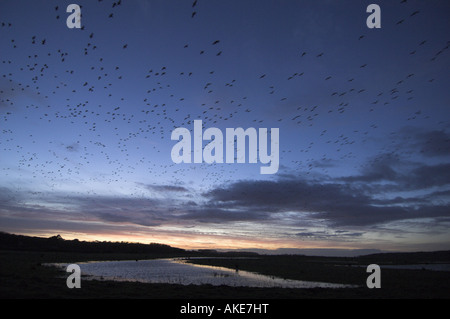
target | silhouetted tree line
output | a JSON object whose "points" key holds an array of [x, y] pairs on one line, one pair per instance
{"points": [[57, 243]]}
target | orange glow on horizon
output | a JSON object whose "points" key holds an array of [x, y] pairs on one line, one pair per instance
{"points": [[192, 241]]}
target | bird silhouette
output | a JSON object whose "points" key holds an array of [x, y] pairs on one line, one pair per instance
{"points": [[120, 109]]}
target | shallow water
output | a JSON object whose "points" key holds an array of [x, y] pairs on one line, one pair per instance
{"points": [[177, 271]]}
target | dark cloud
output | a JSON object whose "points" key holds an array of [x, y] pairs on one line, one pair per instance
{"points": [[328, 235], [165, 188], [345, 201], [382, 168], [146, 212], [427, 176], [219, 215], [411, 140], [122, 210], [401, 175], [286, 195], [368, 199], [433, 143]]}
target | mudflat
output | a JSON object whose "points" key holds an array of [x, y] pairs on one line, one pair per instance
{"points": [[24, 275]]}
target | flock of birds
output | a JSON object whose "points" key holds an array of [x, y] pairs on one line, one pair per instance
{"points": [[155, 120]]}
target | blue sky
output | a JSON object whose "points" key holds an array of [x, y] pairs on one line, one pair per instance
{"points": [[86, 117]]}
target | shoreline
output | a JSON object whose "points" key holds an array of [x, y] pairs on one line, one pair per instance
{"points": [[23, 276]]}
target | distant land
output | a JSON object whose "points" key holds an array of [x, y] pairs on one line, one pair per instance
{"points": [[24, 272], [57, 243], [325, 252], [22, 242]]}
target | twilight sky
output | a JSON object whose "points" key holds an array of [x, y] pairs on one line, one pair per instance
{"points": [[86, 117]]}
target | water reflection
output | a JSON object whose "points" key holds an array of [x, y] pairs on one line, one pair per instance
{"points": [[177, 271]]}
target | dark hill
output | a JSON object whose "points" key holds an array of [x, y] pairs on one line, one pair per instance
{"points": [[57, 243]]}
